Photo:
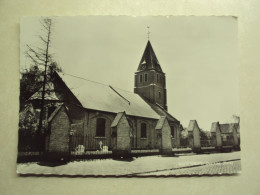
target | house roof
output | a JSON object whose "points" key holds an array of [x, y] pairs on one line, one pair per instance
{"points": [[149, 59], [161, 111], [228, 128], [117, 119], [160, 122], [102, 97], [192, 125]]}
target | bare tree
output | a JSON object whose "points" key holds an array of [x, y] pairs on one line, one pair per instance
{"points": [[41, 57], [236, 118]]}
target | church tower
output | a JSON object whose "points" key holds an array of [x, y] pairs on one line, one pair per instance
{"points": [[150, 79]]}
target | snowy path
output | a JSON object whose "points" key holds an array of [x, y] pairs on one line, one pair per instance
{"points": [[116, 167]]}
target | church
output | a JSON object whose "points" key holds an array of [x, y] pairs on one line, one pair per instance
{"points": [[100, 113]]}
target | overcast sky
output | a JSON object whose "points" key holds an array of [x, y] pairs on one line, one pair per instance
{"points": [[198, 55]]}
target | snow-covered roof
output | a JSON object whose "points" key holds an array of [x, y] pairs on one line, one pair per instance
{"points": [[161, 111], [160, 122], [117, 119], [214, 126], [49, 93], [96, 96], [192, 125], [228, 128]]}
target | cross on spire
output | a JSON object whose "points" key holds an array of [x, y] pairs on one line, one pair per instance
{"points": [[148, 32]]}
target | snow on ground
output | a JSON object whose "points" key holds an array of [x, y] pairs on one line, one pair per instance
{"points": [[231, 167], [117, 167]]}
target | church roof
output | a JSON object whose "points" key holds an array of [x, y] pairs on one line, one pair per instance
{"points": [[149, 59], [228, 128], [102, 97], [161, 111]]}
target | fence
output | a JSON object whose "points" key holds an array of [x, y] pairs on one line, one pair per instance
{"points": [[28, 142], [89, 144], [206, 142]]}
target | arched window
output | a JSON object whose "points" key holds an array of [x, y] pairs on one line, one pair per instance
{"points": [[143, 130], [141, 78], [145, 77], [172, 131], [159, 94], [100, 128]]}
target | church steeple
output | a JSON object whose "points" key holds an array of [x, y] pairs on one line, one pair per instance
{"points": [[150, 79], [149, 59]]}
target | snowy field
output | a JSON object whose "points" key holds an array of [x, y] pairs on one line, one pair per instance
{"points": [[218, 163]]}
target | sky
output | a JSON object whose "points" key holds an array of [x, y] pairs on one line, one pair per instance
{"points": [[197, 54]]}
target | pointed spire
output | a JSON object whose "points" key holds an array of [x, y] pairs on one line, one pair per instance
{"points": [[149, 59]]}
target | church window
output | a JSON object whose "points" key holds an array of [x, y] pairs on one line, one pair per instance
{"points": [[145, 77], [159, 94], [172, 131], [143, 130], [141, 78], [100, 128]]}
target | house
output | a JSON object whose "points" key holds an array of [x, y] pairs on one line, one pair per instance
{"points": [[225, 134], [101, 112], [230, 134]]}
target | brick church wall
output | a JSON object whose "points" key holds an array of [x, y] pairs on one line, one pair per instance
{"points": [[91, 125]]}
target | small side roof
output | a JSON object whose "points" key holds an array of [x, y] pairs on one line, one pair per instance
{"points": [[214, 126], [49, 93], [161, 111], [160, 122], [117, 119], [192, 125], [56, 111]]}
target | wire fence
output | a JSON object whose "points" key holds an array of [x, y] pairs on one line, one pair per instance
{"points": [[89, 144]]}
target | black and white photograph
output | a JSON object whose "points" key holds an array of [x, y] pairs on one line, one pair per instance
{"points": [[128, 96]]}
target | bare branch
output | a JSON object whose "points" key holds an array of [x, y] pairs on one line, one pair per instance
{"points": [[38, 55], [32, 58], [42, 39]]}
